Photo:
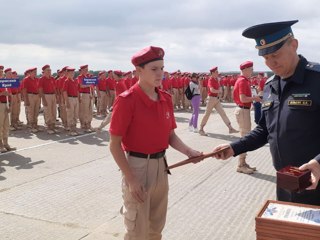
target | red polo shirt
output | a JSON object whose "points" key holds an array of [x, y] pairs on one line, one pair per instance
{"points": [[80, 82], [47, 84], [3, 98], [31, 85], [242, 86], [120, 87], [144, 124], [71, 87], [174, 82], [205, 82], [102, 84], [128, 82], [111, 83], [213, 83], [262, 83], [60, 82]]}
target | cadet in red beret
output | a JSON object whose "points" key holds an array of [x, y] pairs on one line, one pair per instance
{"points": [[31, 98], [243, 98], [4, 117], [48, 93], [214, 102], [61, 101], [86, 96], [71, 97], [101, 90], [142, 128]]}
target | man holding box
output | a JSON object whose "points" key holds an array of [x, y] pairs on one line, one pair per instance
{"points": [[290, 109]]}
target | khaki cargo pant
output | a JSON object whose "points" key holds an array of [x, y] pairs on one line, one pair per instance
{"points": [[33, 109], [15, 109], [214, 102], [146, 221], [50, 111], [244, 122], [85, 110], [4, 121], [72, 113], [102, 102]]}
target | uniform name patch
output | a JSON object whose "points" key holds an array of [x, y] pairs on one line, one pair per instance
{"points": [[306, 103]]}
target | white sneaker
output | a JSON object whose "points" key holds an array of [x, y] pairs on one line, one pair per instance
{"points": [[195, 130], [190, 128]]}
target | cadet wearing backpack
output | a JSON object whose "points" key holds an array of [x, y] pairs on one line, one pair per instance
{"points": [[194, 92]]}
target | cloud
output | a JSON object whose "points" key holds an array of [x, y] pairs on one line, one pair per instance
{"points": [[105, 34]]}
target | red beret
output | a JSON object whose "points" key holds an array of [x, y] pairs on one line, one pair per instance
{"points": [[8, 70], [45, 66], [117, 72], [102, 72], [261, 73], [32, 69], [70, 69], [64, 69], [146, 55], [246, 64], [110, 71], [1, 67], [14, 72], [84, 66], [213, 69]]}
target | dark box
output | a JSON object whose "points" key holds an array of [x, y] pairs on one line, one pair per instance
{"points": [[293, 179]]}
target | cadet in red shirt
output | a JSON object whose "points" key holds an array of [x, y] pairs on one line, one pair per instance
{"points": [[214, 102], [48, 94], [110, 89], [101, 89], [243, 98], [4, 117], [62, 107], [86, 96], [142, 128], [31, 98], [72, 98]]}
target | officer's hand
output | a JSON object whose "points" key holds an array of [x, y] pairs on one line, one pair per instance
{"points": [[137, 190], [314, 166], [225, 154]]}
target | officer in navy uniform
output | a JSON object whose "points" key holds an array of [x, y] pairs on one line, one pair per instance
{"points": [[290, 109]]}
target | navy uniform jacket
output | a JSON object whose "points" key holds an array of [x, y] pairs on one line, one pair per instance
{"points": [[290, 123]]}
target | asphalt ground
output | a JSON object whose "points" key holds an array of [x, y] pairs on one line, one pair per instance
{"points": [[61, 187]]}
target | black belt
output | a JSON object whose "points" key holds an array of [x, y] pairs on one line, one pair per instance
{"points": [[196, 94], [3, 102], [72, 96], [143, 155], [243, 107], [33, 93]]}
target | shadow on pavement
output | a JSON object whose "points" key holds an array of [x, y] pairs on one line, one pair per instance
{"points": [[264, 177], [222, 136], [17, 161]]}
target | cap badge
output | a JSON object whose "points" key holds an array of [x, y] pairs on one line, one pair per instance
{"points": [[262, 42]]}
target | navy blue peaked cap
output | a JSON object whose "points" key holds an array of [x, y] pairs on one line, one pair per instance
{"points": [[270, 37]]}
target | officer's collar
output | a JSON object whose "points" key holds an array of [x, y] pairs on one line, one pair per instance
{"points": [[145, 97], [298, 75]]}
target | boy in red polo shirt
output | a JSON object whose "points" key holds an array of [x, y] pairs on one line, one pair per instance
{"points": [[243, 98], [4, 117], [142, 128], [71, 97], [48, 94], [214, 102], [32, 99]]}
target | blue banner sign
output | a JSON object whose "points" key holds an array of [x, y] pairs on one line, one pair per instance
{"points": [[90, 81], [9, 82]]}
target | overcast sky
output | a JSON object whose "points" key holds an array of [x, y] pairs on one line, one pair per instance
{"points": [[195, 34]]}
